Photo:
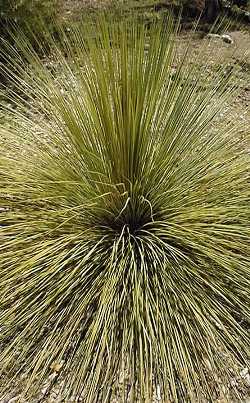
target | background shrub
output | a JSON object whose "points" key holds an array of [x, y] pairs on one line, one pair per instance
{"points": [[26, 13]]}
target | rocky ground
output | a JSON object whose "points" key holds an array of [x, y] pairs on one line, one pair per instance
{"points": [[209, 10], [237, 53]]}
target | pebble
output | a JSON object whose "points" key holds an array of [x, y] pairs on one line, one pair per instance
{"points": [[213, 36], [245, 375], [14, 399], [225, 38], [244, 372], [158, 393]]}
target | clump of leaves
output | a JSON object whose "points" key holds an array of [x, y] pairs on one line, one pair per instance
{"points": [[124, 220]]}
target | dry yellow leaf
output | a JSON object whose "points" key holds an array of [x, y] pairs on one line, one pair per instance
{"points": [[56, 367]]}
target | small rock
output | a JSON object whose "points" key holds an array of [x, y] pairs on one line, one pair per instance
{"points": [[247, 379], [213, 36], [158, 393], [244, 372], [227, 39], [44, 390], [234, 382], [14, 399], [245, 375]]}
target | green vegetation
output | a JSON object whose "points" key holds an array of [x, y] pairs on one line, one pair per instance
{"points": [[124, 221], [23, 14], [19, 10]]}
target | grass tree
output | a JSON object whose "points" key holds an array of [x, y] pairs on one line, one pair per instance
{"points": [[124, 222]]}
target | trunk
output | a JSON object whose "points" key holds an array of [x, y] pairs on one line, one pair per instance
{"points": [[213, 8], [240, 3]]}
